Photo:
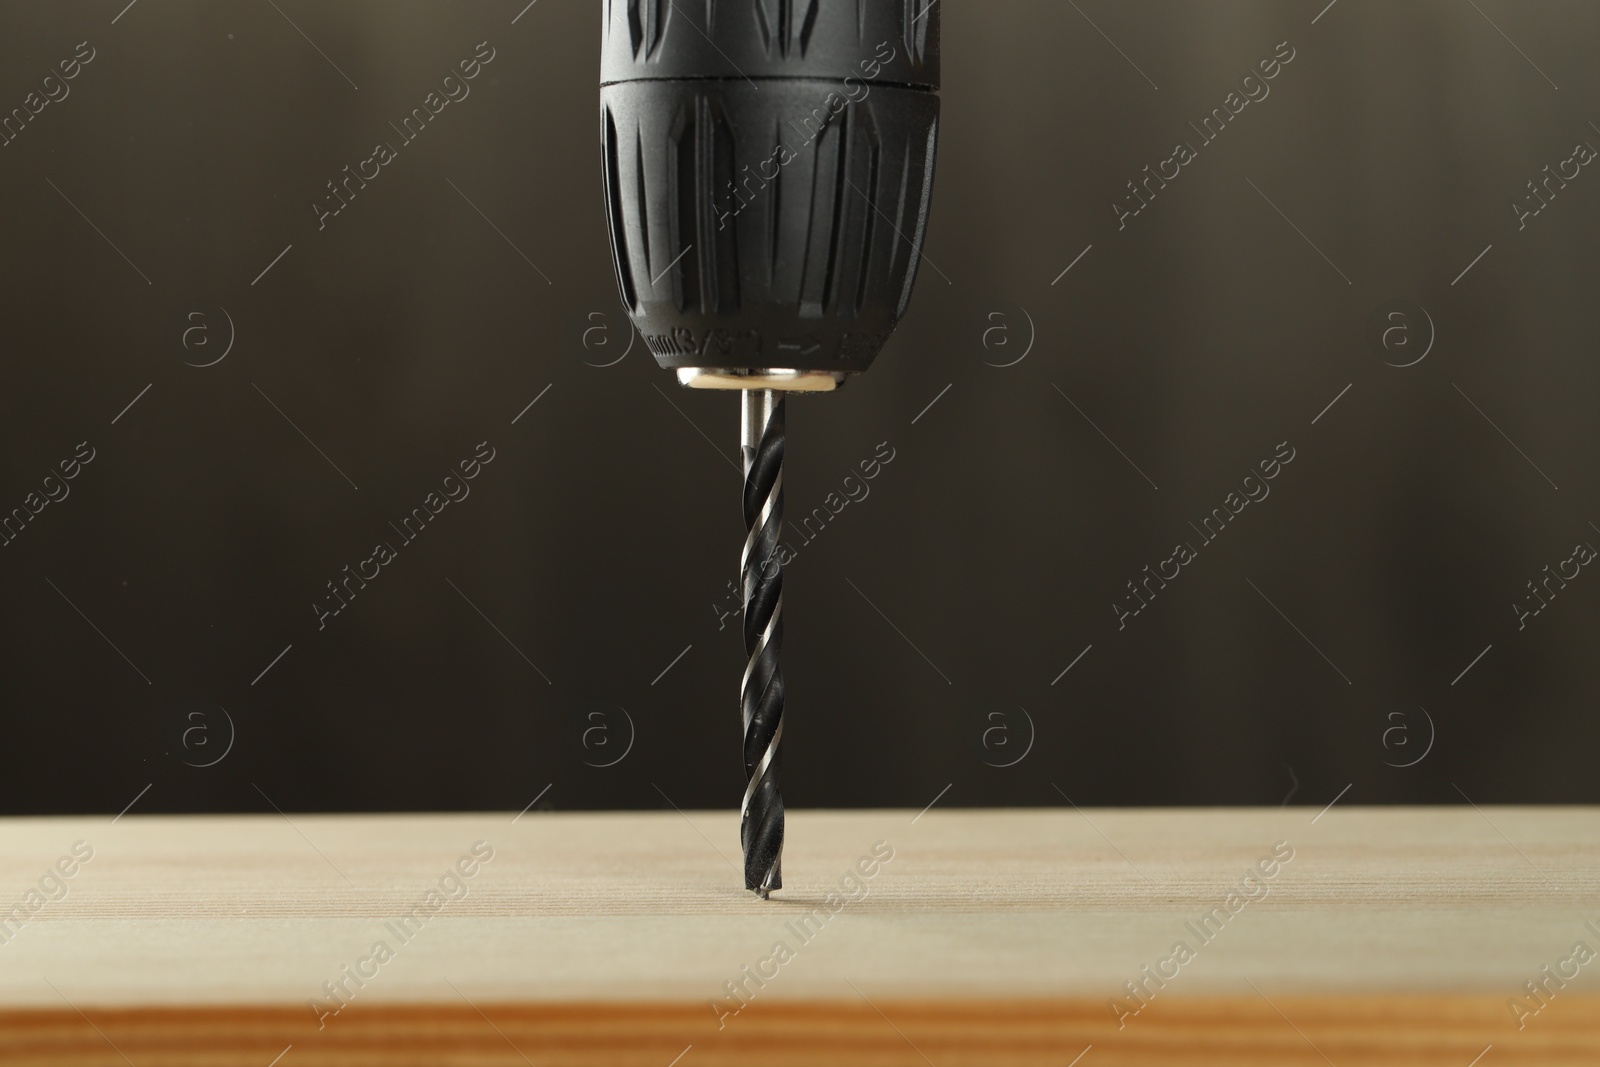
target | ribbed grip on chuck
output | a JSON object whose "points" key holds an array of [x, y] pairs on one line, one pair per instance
{"points": [[768, 167], [695, 39]]}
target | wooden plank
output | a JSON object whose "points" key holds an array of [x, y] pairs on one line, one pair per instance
{"points": [[1352, 936]]}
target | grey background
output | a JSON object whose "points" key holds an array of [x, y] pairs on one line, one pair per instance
{"points": [[1221, 321]]}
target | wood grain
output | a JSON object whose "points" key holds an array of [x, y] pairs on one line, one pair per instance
{"points": [[1387, 936]]}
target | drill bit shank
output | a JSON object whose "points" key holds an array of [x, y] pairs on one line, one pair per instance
{"points": [[761, 691]]}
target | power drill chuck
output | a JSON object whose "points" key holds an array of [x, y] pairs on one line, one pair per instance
{"points": [[768, 166]]}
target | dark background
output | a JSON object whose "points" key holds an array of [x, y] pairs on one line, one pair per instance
{"points": [[1321, 640]]}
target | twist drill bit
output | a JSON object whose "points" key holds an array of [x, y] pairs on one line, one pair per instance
{"points": [[768, 166], [761, 691]]}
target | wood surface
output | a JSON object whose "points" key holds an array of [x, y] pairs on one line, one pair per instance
{"points": [[1392, 936]]}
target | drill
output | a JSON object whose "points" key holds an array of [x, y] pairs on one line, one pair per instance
{"points": [[768, 167]]}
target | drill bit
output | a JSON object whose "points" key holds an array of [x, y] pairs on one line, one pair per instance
{"points": [[761, 691]]}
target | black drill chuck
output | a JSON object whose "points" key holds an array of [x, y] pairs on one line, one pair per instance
{"points": [[768, 166]]}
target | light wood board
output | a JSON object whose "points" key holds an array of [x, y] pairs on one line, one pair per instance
{"points": [[1393, 936]]}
